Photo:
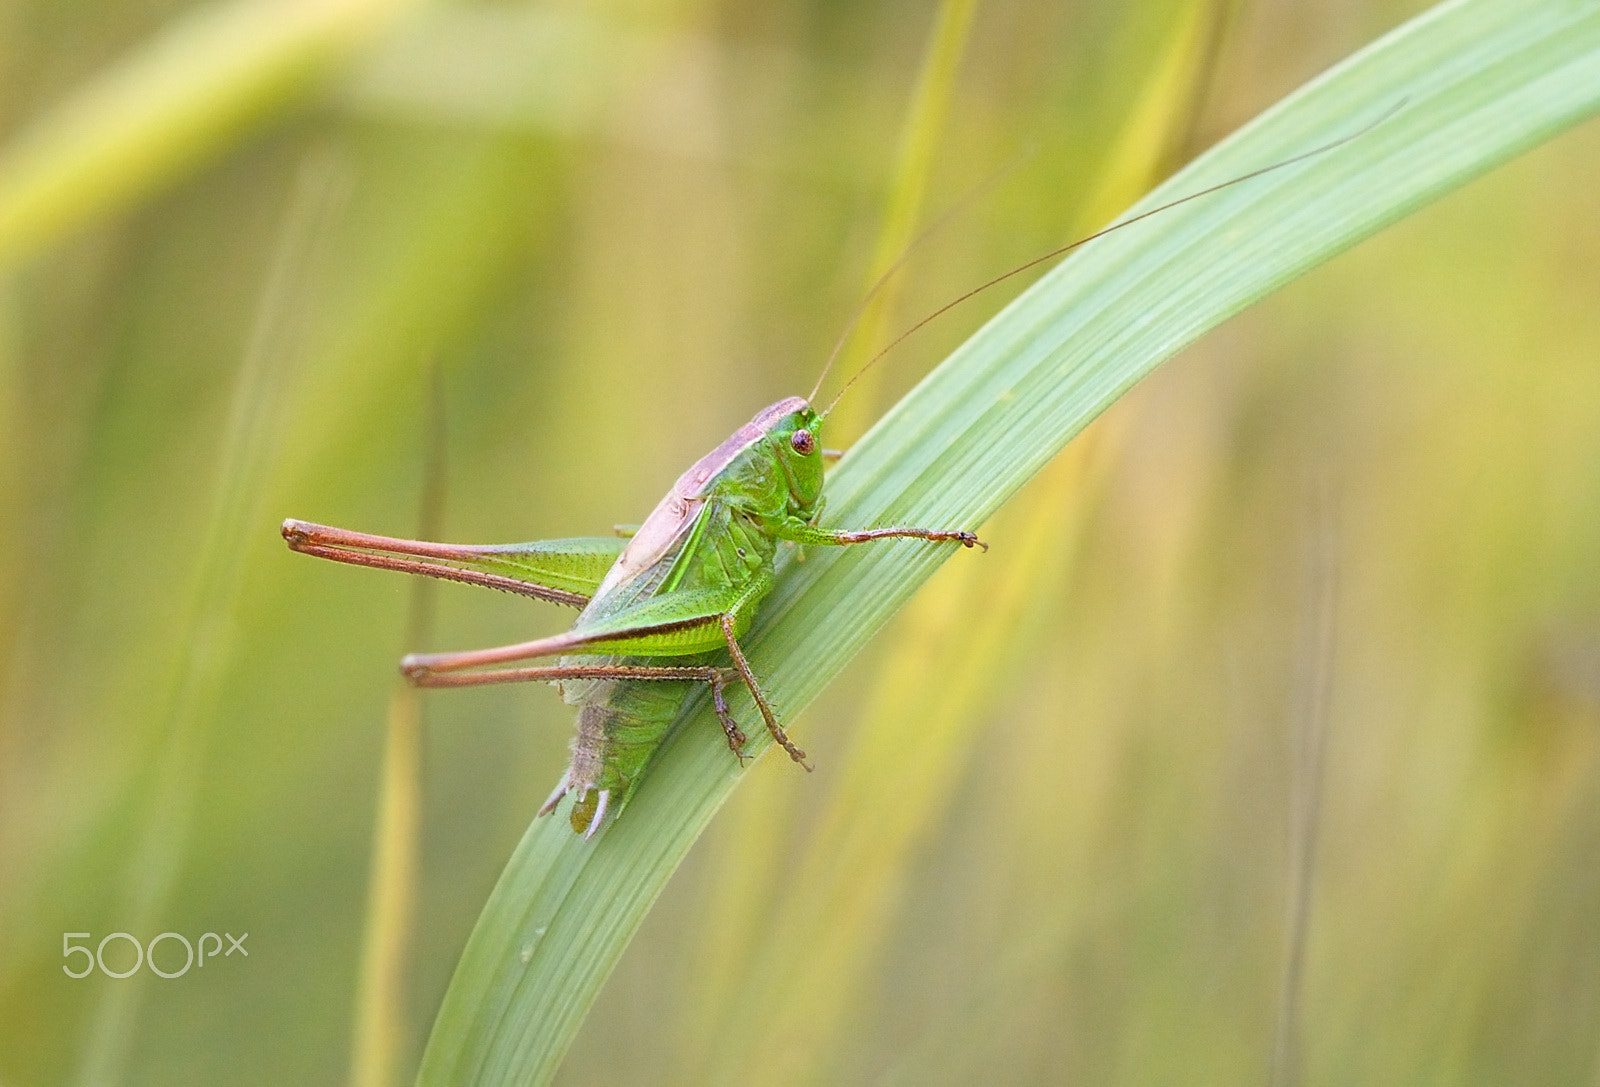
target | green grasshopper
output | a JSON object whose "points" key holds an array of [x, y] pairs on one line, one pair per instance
{"points": [[684, 587]]}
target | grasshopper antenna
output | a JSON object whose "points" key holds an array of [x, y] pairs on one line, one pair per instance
{"points": [[1002, 277], [928, 231]]}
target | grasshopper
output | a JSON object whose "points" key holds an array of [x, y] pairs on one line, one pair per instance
{"points": [[683, 588]]}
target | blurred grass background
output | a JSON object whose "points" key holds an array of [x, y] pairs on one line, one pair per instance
{"points": [[1308, 626]]}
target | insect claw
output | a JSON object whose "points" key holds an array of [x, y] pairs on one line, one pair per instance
{"points": [[970, 539], [795, 753], [736, 737], [599, 814], [413, 667]]}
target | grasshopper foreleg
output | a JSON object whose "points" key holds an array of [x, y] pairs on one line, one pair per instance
{"points": [[811, 534]]}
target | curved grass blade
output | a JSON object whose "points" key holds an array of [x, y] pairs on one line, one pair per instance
{"points": [[1480, 80]]}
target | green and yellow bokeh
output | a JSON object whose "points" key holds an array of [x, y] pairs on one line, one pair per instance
{"points": [[1263, 745]]}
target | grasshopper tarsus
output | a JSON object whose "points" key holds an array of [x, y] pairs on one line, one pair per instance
{"points": [[736, 737], [965, 539], [788, 745]]}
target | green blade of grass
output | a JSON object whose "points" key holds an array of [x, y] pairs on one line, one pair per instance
{"points": [[1477, 82]]}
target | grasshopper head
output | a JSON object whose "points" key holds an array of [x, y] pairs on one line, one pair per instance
{"points": [[796, 436]]}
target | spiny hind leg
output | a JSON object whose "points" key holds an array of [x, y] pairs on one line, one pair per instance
{"points": [[771, 719], [716, 678]]}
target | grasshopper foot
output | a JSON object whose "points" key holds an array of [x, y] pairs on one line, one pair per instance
{"points": [[736, 736], [794, 752]]}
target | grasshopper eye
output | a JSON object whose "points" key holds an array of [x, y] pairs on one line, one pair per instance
{"points": [[803, 442]]}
